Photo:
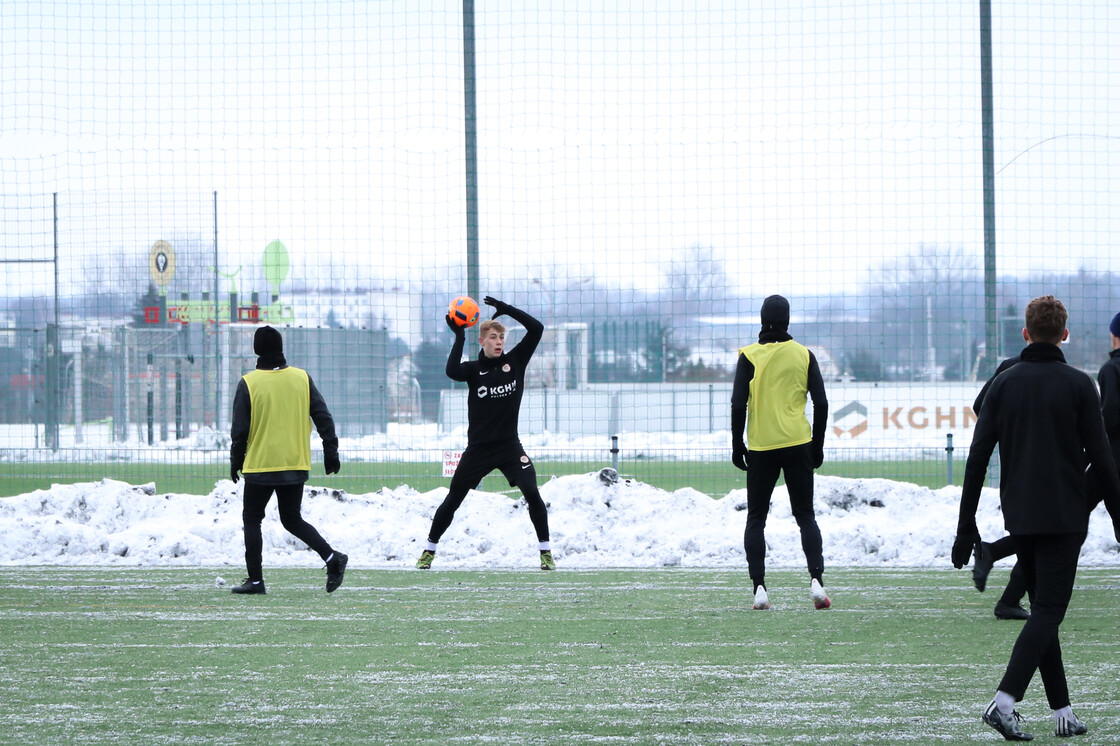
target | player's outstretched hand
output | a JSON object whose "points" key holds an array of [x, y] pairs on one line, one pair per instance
{"points": [[500, 308], [962, 549], [739, 455], [458, 330]]}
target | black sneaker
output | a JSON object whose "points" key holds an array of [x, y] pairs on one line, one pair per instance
{"points": [[982, 565], [336, 568], [1007, 611], [248, 586], [1006, 725]]}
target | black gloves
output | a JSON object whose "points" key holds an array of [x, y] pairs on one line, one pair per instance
{"points": [[236, 460], [818, 454], [459, 331], [500, 308], [331, 464], [739, 455], [963, 546]]}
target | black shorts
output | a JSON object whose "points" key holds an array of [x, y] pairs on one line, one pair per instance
{"points": [[479, 460]]}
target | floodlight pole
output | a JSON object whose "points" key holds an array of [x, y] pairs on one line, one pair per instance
{"points": [[217, 329], [54, 352], [991, 325], [470, 126]]}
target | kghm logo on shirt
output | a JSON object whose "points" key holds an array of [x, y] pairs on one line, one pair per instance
{"points": [[497, 391]]}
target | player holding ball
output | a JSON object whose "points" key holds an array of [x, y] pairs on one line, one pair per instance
{"points": [[495, 384]]}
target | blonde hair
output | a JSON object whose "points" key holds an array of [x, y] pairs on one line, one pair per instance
{"points": [[485, 327]]}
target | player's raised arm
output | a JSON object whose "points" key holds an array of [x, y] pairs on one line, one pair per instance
{"points": [[534, 329], [455, 369]]}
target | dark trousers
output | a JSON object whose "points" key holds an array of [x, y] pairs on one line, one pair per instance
{"points": [[476, 463], [1049, 563], [1016, 586], [763, 469], [1017, 581], [289, 498]]}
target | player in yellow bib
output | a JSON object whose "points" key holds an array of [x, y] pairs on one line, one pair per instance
{"points": [[270, 444], [774, 378]]}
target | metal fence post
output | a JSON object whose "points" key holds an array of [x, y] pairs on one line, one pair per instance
{"points": [[54, 390], [949, 456]]}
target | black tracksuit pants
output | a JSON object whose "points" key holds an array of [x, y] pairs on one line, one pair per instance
{"points": [[763, 469], [478, 461], [1049, 562], [289, 498], [1017, 582]]}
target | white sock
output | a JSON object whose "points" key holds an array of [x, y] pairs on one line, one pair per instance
{"points": [[431, 546], [546, 546], [328, 559], [1065, 712], [1005, 703]]}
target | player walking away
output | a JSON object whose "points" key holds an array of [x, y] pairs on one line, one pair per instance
{"points": [[495, 385], [1108, 378], [273, 408], [1046, 418], [1010, 603], [773, 379]]}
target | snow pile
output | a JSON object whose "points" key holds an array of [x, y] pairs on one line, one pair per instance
{"points": [[865, 522]]}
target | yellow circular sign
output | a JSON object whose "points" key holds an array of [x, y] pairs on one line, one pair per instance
{"points": [[161, 263]]}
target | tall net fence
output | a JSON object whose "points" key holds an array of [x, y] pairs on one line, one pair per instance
{"points": [[638, 178]]}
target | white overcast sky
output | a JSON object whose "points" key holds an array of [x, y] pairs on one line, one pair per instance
{"points": [[803, 145]]}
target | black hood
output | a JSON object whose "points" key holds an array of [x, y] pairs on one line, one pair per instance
{"points": [[269, 346], [267, 341], [775, 314]]}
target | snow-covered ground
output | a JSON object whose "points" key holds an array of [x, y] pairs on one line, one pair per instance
{"points": [[865, 522]]}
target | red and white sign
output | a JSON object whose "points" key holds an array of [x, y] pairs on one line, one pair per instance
{"points": [[451, 462]]}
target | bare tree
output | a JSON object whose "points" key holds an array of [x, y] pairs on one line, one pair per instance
{"points": [[697, 281], [927, 307]]}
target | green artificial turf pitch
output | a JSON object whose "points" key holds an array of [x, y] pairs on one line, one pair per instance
{"points": [[675, 656], [713, 478]]}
